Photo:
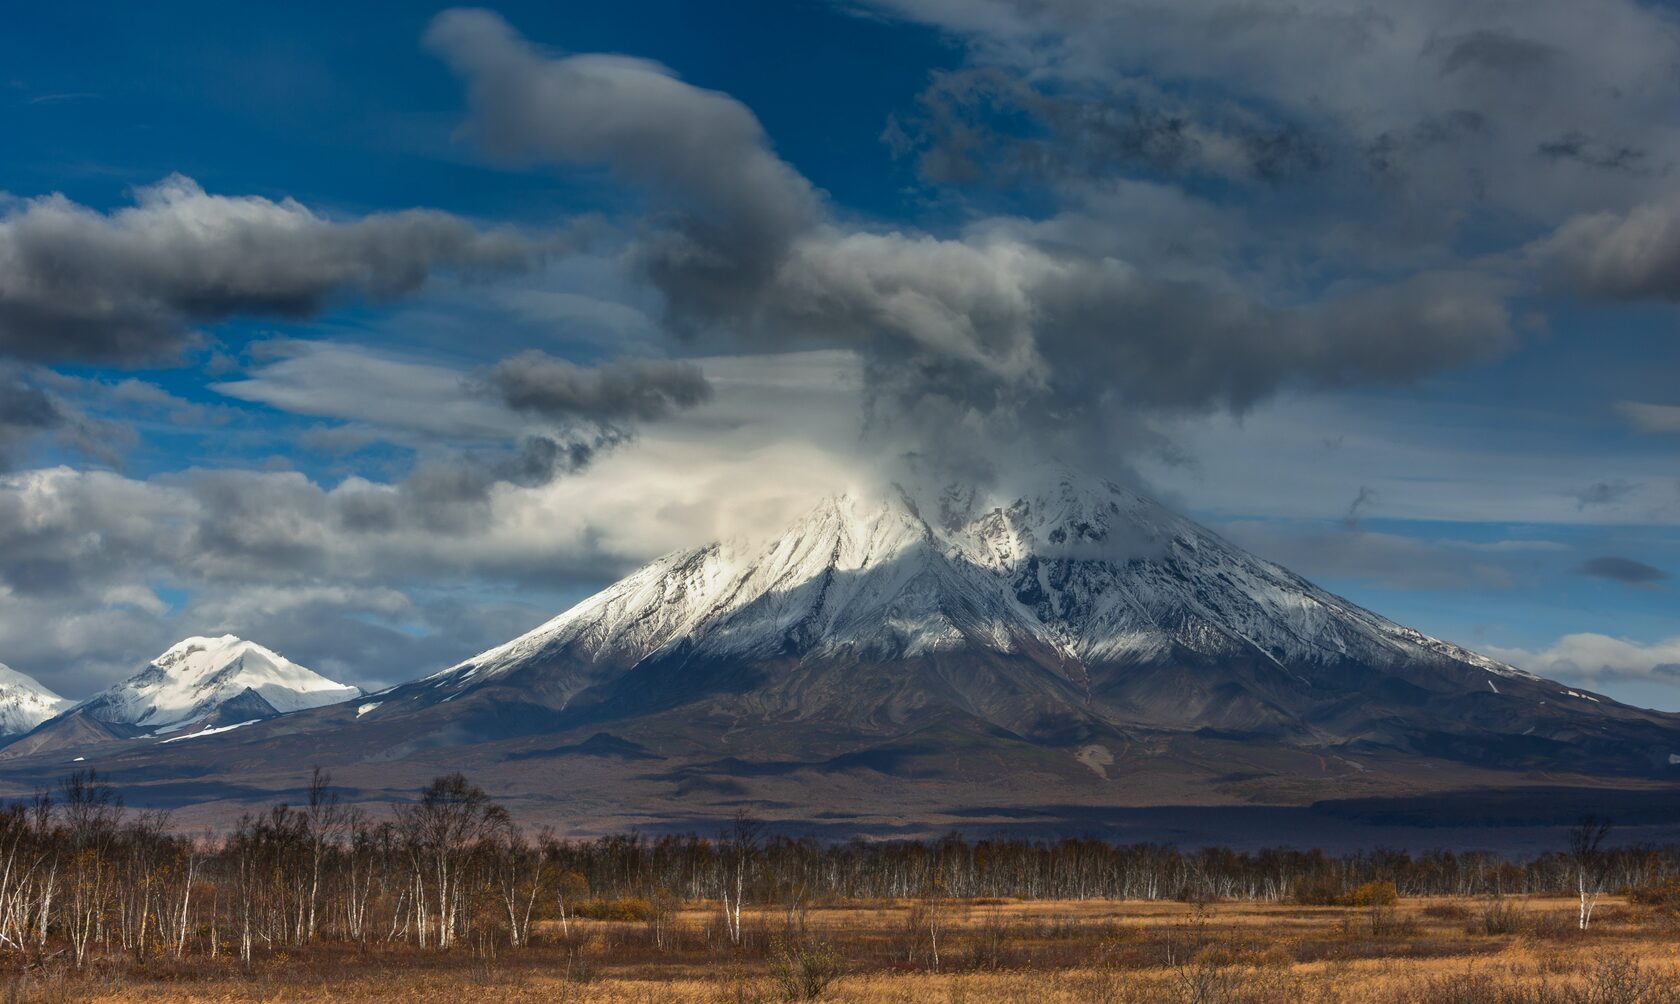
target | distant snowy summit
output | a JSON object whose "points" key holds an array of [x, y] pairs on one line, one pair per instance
{"points": [[198, 684], [25, 703], [198, 677]]}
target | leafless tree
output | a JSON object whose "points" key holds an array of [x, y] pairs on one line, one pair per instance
{"points": [[1586, 852]]}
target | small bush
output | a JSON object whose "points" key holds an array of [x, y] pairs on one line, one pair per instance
{"points": [[802, 971], [1374, 894], [630, 910], [1618, 978], [1447, 911], [989, 949], [1659, 897], [1499, 916]]}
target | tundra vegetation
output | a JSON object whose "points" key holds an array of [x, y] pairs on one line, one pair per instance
{"points": [[448, 897]]}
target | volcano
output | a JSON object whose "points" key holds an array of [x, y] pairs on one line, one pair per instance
{"points": [[889, 656]]}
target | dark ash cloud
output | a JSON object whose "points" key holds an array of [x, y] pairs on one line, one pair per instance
{"points": [[128, 286], [1624, 570], [540, 384]]}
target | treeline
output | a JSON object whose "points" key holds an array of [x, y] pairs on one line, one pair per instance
{"points": [[81, 875]]}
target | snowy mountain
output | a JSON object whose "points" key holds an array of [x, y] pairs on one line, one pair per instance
{"points": [[197, 684], [1089, 571], [1078, 609], [895, 659], [24, 702], [197, 676]]}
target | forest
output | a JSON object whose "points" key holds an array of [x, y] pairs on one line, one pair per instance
{"points": [[91, 891]]}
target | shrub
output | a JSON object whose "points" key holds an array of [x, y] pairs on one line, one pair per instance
{"points": [[1661, 897], [1618, 978], [1499, 916], [1374, 894], [802, 971], [632, 910]]}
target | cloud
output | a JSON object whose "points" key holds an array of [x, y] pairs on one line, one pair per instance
{"points": [[985, 125], [1488, 51], [77, 285], [1624, 570], [1386, 136], [537, 383], [1656, 418], [379, 580], [1621, 256], [987, 330], [1391, 560], [528, 419], [703, 154], [25, 413], [1603, 493], [414, 401], [1596, 657]]}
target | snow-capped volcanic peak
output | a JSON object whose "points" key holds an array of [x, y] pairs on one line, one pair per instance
{"points": [[1079, 568], [860, 573], [196, 676], [24, 702]]}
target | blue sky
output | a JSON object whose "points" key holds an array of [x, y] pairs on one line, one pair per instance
{"points": [[1386, 296]]}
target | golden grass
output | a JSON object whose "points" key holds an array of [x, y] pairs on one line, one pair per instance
{"points": [[1425, 951]]}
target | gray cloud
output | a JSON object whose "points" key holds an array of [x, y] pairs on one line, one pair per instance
{"points": [[1585, 150], [1390, 560], [703, 154], [989, 328], [1489, 51], [125, 286], [1654, 418], [987, 125], [32, 409], [540, 384], [1518, 86], [1603, 493], [1624, 570], [1626, 256], [25, 413]]}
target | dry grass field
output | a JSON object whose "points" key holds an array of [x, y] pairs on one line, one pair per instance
{"points": [[1038, 952]]}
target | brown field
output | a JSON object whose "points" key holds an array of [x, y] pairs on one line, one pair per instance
{"points": [[1036, 952]]}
